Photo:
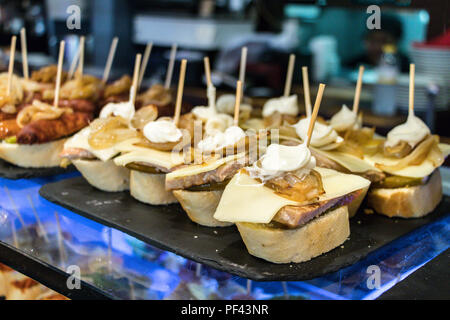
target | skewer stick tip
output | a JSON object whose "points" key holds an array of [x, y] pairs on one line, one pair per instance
{"points": [[314, 113], [237, 103], [176, 116]]}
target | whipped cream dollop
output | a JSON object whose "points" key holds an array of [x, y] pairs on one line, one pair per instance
{"points": [[345, 119], [218, 123], [226, 102], [162, 131], [280, 159], [322, 135], [206, 112], [412, 131], [220, 140], [125, 110], [284, 105]]}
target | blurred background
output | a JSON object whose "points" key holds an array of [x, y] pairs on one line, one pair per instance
{"points": [[331, 37]]}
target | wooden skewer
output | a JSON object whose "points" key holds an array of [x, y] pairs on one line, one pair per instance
{"points": [[306, 91], [73, 64], [237, 103], [358, 90], [58, 74], [109, 249], [14, 234], [176, 116], [290, 71], [109, 61], [81, 59], [207, 72], [173, 53], [315, 112], [11, 64], [243, 66], [147, 52], [412, 72], [16, 211], [134, 84], [23, 48]]}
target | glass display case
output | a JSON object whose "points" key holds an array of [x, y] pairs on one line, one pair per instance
{"points": [[56, 246]]}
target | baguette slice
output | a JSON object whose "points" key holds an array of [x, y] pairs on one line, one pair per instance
{"points": [[277, 245], [409, 202], [104, 175], [150, 188], [200, 206], [40, 155]]}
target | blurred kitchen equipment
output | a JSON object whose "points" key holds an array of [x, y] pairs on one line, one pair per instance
{"points": [[326, 60], [384, 102]]}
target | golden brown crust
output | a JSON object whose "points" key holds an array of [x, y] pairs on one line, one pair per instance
{"points": [[277, 245], [201, 205], [150, 188], [409, 202]]}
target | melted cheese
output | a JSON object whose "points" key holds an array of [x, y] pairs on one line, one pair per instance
{"points": [[348, 161], [247, 200], [204, 167], [80, 141], [419, 171], [162, 159]]}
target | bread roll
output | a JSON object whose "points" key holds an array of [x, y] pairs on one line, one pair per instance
{"points": [[150, 188]]}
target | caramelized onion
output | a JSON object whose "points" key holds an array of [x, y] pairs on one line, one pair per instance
{"points": [[427, 148], [401, 150], [38, 111], [107, 132], [144, 115], [118, 87]]}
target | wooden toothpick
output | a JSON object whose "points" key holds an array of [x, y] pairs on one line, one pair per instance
{"points": [[109, 61], [137, 65], [358, 90], [290, 71], [81, 59], [147, 52], [207, 71], [11, 64], [173, 53], [314, 113], [58, 73], [412, 72], [237, 103], [306, 91], [242, 67], [176, 116], [23, 48]]}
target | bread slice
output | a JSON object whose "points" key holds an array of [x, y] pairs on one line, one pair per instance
{"points": [[150, 188], [39, 155], [316, 237], [409, 202], [201, 205], [104, 175], [356, 203]]}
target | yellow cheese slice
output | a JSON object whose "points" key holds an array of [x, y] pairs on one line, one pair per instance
{"points": [[419, 171], [246, 200], [162, 159], [201, 168], [348, 161]]}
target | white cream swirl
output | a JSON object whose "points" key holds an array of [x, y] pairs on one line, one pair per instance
{"points": [[322, 135], [226, 102], [345, 119], [125, 110], [284, 105], [206, 112], [220, 140], [162, 131], [280, 159], [412, 131]]}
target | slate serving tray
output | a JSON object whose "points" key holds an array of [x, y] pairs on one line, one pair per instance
{"points": [[10, 171], [168, 228]]}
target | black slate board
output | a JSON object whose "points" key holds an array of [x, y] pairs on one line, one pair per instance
{"points": [[10, 171], [168, 228]]}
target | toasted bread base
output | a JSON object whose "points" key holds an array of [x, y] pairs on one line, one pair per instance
{"points": [[104, 175], [318, 236], [356, 203], [409, 202], [39, 155], [150, 188], [200, 206]]}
